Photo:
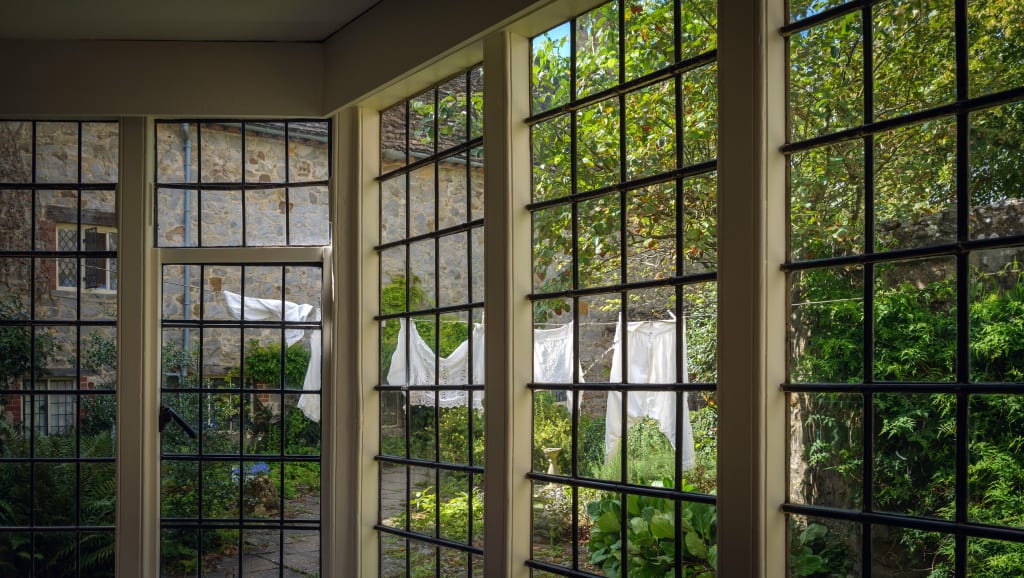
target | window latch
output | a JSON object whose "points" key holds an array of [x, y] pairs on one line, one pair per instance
{"points": [[167, 414]]}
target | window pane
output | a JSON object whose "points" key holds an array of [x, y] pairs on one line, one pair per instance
{"points": [[826, 78], [997, 298], [823, 546], [914, 56], [997, 171], [550, 78], [650, 130], [597, 146], [826, 325], [914, 184], [995, 57], [915, 321], [700, 115], [551, 158], [827, 201], [597, 47], [649, 39]]}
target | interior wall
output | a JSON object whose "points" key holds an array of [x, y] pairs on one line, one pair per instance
{"points": [[390, 52], [401, 46], [108, 78]]}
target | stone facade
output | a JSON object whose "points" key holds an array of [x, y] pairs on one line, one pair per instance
{"points": [[295, 214], [270, 157]]}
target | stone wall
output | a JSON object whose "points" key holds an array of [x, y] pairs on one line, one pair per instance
{"points": [[57, 161], [268, 158]]}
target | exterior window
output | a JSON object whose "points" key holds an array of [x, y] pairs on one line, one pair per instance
{"points": [[432, 332], [96, 273], [624, 145], [58, 349], [241, 345], [905, 364], [54, 414]]}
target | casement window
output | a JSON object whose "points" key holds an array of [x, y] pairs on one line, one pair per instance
{"points": [[431, 353], [95, 272], [904, 367], [58, 348], [241, 213], [53, 413], [752, 296], [624, 141]]}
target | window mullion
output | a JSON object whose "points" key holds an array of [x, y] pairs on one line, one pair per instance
{"points": [[507, 500], [751, 319], [138, 491]]}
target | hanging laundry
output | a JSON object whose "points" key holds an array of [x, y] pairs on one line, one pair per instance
{"points": [[255, 309], [552, 363], [418, 367], [651, 356], [553, 359]]}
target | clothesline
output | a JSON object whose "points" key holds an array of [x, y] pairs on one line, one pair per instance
{"points": [[652, 359]]}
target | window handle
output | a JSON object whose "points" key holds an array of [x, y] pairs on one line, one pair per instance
{"points": [[167, 414]]}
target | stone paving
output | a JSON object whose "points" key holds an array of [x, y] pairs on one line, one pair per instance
{"points": [[261, 557]]}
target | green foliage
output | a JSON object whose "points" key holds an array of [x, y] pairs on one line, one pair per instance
{"points": [[914, 467], [16, 343], [49, 494], [650, 537], [552, 428], [263, 365], [453, 512], [815, 552], [651, 458]]}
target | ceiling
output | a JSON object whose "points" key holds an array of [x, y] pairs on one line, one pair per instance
{"points": [[196, 20]]}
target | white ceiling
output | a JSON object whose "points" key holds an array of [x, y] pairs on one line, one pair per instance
{"points": [[223, 20]]}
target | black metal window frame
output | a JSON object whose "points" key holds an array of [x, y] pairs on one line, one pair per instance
{"points": [[35, 326], [196, 183], [958, 111], [242, 524], [675, 71], [470, 150]]}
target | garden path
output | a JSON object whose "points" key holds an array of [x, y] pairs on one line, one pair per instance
{"points": [[262, 555]]}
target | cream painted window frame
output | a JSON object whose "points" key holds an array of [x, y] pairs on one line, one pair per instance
{"points": [[751, 173], [139, 314], [751, 320]]}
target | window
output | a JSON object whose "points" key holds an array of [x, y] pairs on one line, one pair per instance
{"points": [[432, 332], [242, 212], [905, 362], [624, 147], [812, 206], [96, 273], [58, 348], [53, 414]]}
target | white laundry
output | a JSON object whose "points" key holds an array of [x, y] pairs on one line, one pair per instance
{"points": [[552, 363], [418, 367], [652, 359], [553, 360], [256, 309]]}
